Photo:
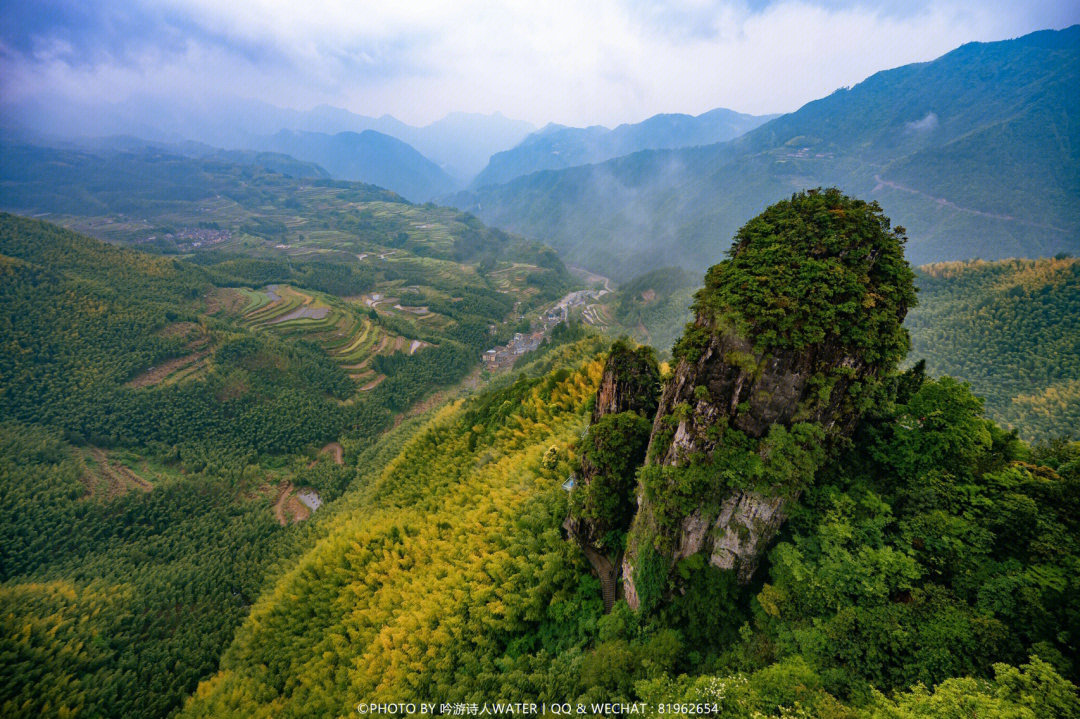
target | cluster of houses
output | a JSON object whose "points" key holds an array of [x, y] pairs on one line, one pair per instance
{"points": [[191, 238], [804, 153], [505, 355]]}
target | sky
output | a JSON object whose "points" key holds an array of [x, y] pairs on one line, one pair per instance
{"points": [[576, 63]]}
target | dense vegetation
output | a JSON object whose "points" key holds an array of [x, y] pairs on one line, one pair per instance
{"points": [[602, 502], [157, 414], [792, 341], [821, 267], [83, 318], [427, 585], [935, 547], [1008, 328], [929, 569], [117, 608], [613, 449], [1011, 329]]}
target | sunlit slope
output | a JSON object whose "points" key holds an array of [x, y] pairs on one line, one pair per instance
{"points": [[421, 588]]}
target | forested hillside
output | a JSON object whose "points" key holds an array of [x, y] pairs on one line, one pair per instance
{"points": [[88, 324], [160, 418], [117, 606], [140, 527], [1011, 329], [729, 416], [450, 579], [152, 561], [975, 153], [893, 589]]}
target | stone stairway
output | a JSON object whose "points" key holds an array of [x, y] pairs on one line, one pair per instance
{"points": [[609, 590]]}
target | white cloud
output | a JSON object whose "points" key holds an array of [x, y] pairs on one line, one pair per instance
{"points": [[570, 62], [927, 124]]}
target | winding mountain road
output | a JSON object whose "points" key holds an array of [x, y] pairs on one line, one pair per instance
{"points": [[881, 182]]}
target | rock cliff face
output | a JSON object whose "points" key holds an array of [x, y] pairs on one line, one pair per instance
{"points": [[630, 383], [600, 503], [791, 338]]}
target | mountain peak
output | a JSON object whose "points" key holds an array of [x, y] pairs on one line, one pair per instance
{"points": [[557, 146], [769, 377]]}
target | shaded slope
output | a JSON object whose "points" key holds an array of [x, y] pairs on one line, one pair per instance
{"points": [[368, 156], [981, 147], [556, 147]]}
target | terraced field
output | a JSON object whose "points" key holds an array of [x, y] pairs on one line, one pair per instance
{"points": [[107, 477], [240, 211], [412, 225], [513, 279], [344, 330], [193, 363]]}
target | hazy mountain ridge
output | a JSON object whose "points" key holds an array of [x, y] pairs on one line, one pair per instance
{"points": [[273, 161], [367, 156], [152, 182], [939, 144], [459, 143], [558, 146]]}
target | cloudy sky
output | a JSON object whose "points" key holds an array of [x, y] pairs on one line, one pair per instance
{"points": [[579, 62]]}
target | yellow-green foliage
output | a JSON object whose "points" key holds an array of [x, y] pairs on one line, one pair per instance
{"points": [[418, 590], [55, 642]]}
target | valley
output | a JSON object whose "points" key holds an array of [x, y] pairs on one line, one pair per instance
{"points": [[755, 415]]}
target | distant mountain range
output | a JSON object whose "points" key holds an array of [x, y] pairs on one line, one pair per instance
{"points": [[367, 156], [459, 143], [557, 146], [14, 150], [417, 162], [142, 181], [976, 153]]}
